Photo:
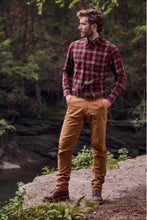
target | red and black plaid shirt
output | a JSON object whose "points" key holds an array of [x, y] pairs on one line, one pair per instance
{"points": [[87, 66]]}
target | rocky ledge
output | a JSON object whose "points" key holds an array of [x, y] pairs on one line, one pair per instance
{"points": [[130, 177]]}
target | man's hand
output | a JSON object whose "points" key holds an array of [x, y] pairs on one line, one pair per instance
{"points": [[68, 97], [106, 103]]}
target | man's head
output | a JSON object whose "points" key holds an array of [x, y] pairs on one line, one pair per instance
{"points": [[91, 22]]}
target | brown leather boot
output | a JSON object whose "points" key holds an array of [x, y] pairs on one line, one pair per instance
{"points": [[96, 196], [56, 195]]}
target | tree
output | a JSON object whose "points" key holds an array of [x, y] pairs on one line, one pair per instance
{"points": [[105, 6]]}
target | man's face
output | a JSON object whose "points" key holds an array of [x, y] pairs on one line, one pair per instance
{"points": [[85, 28]]}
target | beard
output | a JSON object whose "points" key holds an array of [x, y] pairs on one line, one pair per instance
{"points": [[88, 33]]}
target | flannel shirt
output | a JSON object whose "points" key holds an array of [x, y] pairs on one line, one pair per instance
{"points": [[87, 66]]}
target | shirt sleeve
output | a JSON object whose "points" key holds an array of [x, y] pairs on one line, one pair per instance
{"points": [[68, 72], [117, 70]]}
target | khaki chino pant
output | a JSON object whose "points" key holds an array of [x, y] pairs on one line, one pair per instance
{"points": [[80, 110]]}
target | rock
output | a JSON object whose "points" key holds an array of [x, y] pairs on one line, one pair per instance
{"points": [[8, 165], [118, 184], [53, 155]]}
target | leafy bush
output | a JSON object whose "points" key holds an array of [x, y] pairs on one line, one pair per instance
{"points": [[84, 159]]}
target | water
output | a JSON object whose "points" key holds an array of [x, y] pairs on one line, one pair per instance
{"points": [[10, 178]]}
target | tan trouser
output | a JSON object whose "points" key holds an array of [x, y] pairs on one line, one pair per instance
{"points": [[80, 110]]}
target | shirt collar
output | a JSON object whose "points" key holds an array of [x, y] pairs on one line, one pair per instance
{"points": [[96, 41]]}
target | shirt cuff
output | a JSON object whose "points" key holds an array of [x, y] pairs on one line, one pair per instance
{"points": [[66, 92], [111, 98]]}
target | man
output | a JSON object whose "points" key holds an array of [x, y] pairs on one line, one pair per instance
{"points": [[89, 62]]}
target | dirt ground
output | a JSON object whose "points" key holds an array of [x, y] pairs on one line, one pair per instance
{"points": [[130, 207]]}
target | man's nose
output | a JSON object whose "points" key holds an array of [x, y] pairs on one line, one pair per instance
{"points": [[79, 27]]}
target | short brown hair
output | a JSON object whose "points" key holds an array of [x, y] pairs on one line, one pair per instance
{"points": [[94, 16]]}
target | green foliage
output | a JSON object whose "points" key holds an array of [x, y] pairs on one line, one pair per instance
{"points": [[105, 6], [112, 163], [14, 77], [47, 170], [31, 76], [4, 127], [84, 159], [128, 34], [123, 154], [39, 4], [50, 211], [90, 205], [12, 68], [73, 3], [21, 78], [60, 2], [14, 209], [20, 184], [139, 32]]}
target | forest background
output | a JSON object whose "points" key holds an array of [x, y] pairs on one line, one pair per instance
{"points": [[34, 37]]}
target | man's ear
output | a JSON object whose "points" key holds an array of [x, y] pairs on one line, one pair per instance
{"points": [[94, 27]]}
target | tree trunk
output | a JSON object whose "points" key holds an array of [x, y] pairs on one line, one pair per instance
{"points": [[3, 18], [25, 28]]}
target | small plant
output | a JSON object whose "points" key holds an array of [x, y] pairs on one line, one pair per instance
{"points": [[123, 154], [111, 162], [47, 170], [4, 127], [20, 184], [83, 160]]}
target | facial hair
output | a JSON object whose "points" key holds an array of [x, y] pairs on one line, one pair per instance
{"points": [[87, 33]]}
